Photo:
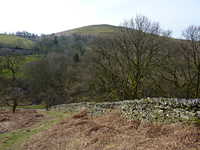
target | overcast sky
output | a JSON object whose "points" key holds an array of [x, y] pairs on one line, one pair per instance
{"points": [[51, 16]]}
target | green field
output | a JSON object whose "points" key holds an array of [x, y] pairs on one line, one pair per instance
{"points": [[11, 40], [90, 30], [30, 58], [41, 106]]}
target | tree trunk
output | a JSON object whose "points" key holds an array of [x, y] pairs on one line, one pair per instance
{"points": [[13, 74], [197, 86], [47, 108], [14, 108]]}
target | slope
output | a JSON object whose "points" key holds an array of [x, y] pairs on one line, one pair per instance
{"points": [[12, 41], [112, 131], [90, 30]]}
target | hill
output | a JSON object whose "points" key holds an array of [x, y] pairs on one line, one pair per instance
{"points": [[90, 30], [95, 30], [12, 41]]}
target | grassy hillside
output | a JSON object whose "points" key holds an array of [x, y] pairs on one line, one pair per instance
{"points": [[12, 41], [90, 30], [94, 30]]}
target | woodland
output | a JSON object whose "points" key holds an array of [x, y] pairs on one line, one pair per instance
{"points": [[137, 59]]}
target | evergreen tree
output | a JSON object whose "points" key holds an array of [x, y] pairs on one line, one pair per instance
{"points": [[76, 57], [55, 41]]}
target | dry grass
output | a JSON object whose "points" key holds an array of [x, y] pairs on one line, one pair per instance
{"points": [[113, 131], [20, 119]]}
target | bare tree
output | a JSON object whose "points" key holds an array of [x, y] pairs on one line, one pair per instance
{"points": [[49, 79], [124, 60], [191, 54], [12, 97], [44, 44], [12, 93], [169, 79], [180, 70]]}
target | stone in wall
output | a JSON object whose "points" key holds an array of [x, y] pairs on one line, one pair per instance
{"points": [[159, 110]]}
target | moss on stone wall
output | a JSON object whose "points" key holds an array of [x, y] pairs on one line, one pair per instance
{"points": [[158, 110]]}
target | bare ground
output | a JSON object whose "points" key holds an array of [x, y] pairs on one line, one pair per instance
{"points": [[20, 119], [113, 131]]}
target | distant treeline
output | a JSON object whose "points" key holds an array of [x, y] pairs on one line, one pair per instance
{"points": [[24, 34]]}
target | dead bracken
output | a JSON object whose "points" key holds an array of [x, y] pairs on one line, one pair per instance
{"points": [[113, 131], [10, 121]]}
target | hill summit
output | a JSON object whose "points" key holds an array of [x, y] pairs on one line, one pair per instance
{"points": [[90, 30]]}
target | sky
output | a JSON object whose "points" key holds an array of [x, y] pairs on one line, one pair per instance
{"points": [[52, 16]]}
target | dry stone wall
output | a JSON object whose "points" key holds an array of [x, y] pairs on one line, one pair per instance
{"points": [[160, 110]]}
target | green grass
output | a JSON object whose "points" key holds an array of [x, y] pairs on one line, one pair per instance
{"points": [[11, 39], [27, 107], [95, 29], [33, 107], [91, 30], [14, 139], [30, 58]]}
